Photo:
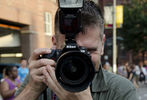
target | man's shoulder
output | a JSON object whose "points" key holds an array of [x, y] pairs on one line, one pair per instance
{"points": [[118, 83]]}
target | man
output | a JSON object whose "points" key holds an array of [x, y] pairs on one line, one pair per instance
{"points": [[23, 70], [105, 85]]}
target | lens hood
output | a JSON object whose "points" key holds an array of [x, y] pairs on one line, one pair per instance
{"points": [[74, 71]]}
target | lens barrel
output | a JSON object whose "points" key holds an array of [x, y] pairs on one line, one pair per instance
{"points": [[74, 71]]}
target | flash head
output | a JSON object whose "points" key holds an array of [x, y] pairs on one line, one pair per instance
{"points": [[70, 3], [70, 17]]}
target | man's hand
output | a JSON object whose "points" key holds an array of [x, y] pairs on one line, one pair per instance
{"points": [[62, 94], [36, 69], [36, 66]]}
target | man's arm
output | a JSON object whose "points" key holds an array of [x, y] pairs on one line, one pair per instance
{"points": [[28, 94], [34, 86]]}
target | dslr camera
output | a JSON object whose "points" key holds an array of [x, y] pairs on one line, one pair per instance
{"points": [[74, 69]]}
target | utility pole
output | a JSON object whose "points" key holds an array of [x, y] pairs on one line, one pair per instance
{"points": [[114, 38]]}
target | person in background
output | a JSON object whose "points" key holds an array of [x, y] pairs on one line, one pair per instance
{"points": [[143, 72], [1, 80], [10, 84], [23, 70], [107, 67], [122, 70], [145, 66], [132, 74], [0, 91]]}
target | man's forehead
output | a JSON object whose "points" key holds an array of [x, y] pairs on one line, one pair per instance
{"points": [[84, 30], [90, 33], [92, 27]]}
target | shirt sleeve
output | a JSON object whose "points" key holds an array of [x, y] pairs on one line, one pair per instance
{"points": [[130, 95], [23, 85]]}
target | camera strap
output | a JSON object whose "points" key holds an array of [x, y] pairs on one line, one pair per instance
{"points": [[45, 94]]}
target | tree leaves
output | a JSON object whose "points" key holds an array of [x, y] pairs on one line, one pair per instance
{"points": [[134, 29]]}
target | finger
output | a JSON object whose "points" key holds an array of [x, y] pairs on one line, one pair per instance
{"points": [[39, 71], [39, 78], [42, 62], [37, 74], [39, 52], [45, 82], [51, 72], [50, 82]]}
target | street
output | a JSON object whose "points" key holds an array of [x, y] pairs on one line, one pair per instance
{"points": [[142, 92]]}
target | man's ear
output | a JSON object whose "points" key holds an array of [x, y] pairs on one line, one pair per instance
{"points": [[103, 42], [54, 40]]}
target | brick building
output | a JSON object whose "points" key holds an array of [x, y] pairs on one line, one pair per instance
{"points": [[24, 26]]}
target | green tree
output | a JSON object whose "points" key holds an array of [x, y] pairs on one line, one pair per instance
{"points": [[134, 29]]}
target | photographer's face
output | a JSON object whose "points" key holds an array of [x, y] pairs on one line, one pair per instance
{"points": [[90, 40]]}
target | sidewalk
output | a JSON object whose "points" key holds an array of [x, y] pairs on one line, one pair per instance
{"points": [[142, 92]]}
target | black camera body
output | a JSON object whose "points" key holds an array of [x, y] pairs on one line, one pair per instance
{"points": [[74, 69]]}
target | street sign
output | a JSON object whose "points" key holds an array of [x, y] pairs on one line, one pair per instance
{"points": [[108, 16]]}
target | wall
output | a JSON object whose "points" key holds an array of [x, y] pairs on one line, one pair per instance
{"points": [[31, 14]]}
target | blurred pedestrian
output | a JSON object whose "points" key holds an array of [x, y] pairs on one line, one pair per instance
{"points": [[0, 92], [145, 65], [143, 72], [107, 67], [4, 73], [23, 70], [1, 80], [122, 70], [10, 84], [132, 74]]}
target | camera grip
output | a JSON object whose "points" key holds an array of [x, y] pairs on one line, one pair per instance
{"points": [[51, 55]]}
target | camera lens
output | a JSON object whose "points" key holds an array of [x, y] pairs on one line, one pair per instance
{"points": [[74, 71]]}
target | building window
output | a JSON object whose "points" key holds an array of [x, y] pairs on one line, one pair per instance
{"points": [[48, 24]]}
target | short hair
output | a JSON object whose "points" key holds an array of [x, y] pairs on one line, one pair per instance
{"points": [[91, 15], [9, 69]]}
